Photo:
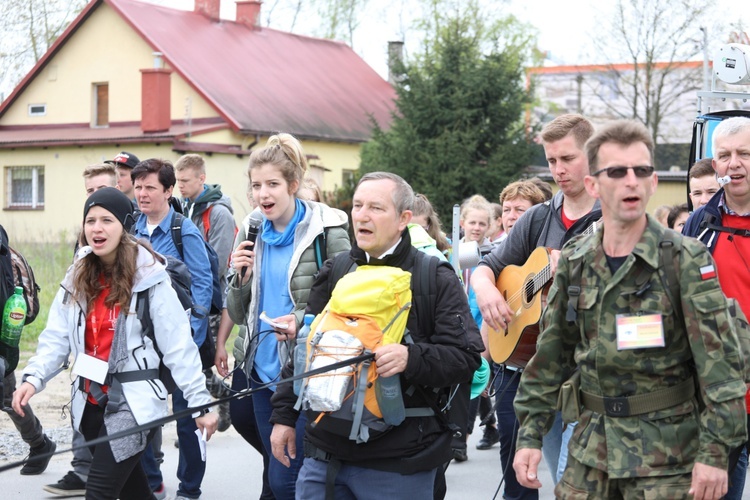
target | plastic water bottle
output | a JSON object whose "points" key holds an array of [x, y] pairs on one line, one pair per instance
{"points": [[390, 401], [300, 350], [14, 316]]}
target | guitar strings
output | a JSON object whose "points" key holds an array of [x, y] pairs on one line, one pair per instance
{"points": [[538, 281]]}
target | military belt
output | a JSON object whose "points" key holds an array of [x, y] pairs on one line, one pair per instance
{"points": [[628, 406]]}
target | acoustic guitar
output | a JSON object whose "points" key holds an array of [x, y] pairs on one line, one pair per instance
{"points": [[520, 287]]}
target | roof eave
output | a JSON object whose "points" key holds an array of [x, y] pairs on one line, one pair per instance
{"points": [[233, 123], [54, 49], [308, 137]]}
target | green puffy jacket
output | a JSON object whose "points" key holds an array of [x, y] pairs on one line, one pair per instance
{"points": [[241, 302]]}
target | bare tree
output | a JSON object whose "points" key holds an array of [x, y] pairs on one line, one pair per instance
{"points": [[336, 19], [340, 18], [27, 30], [647, 44]]}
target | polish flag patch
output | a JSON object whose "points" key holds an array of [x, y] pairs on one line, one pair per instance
{"points": [[708, 272]]}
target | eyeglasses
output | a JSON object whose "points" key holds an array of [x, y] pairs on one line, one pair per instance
{"points": [[620, 172]]}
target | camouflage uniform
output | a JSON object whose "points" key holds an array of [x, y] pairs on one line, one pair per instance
{"points": [[662, 443]]}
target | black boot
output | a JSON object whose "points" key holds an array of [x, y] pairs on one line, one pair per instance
{"points": [[39, 458]]}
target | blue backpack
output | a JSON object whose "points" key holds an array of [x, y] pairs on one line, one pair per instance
{"points": [[217, 303]]}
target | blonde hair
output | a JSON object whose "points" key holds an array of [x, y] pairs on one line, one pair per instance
{"points": [[570, 124], [423, 207], [313, 188], [285, 152], [527, 190], [194, 162], [99, 169], [476, 202]]}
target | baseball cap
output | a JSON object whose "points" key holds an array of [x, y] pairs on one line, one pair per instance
{"points": [[125, 159]]}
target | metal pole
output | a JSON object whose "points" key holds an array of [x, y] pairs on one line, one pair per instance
{"points": [[456, 237]]}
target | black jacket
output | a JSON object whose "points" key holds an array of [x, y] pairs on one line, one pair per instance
{"points": [[447, 355], [694, 225]]}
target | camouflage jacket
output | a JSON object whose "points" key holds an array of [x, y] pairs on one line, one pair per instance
{"points": [[658, 443]]}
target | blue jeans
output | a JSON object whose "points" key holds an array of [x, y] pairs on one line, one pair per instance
{"points": [[555, 447], [242, 414], [505, 388], [737, 478], [281, 478], [357, 483], [190, 467]]}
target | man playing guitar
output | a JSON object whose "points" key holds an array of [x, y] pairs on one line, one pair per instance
{"points": [[549, 224]]}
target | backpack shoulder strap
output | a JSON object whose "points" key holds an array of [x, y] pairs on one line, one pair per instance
{"points": [[424, 287], [143, 313], [176, 230], [669, 248], [206, 221], [538, 221], [321, 249]]}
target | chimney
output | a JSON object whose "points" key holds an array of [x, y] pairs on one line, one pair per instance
{"points": [[248, 12], [208, 8], [155, 97], [395, 59]]}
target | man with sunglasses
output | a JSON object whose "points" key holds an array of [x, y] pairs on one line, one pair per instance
{"points": [[570, 212], [645, 352], [723, 225]]}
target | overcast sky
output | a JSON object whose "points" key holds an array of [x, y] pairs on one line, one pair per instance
{"points": [[564, 27]]}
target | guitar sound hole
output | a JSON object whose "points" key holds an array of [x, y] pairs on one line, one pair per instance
{"points": [[528, 291]]}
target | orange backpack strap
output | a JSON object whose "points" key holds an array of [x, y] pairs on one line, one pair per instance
{"points": [[207, 221]]}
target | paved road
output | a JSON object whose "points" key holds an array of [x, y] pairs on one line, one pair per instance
{"points": [[234, 471]]}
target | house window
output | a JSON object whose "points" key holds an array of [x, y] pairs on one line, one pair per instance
{"points": [[37, 109], [347, 176], [101, 104], [24, 188]]}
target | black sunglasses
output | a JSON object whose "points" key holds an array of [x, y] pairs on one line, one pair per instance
{"points": [[620, 172]]}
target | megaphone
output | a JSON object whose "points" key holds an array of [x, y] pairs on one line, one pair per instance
{"points": [[468, 254]]}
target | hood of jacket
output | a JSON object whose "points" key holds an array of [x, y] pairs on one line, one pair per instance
{"points": [[211, 195]]}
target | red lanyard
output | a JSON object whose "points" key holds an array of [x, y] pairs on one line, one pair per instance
{"points": [[96, 325]]}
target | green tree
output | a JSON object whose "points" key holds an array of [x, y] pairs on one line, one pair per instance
{"points": [[458, 126]]}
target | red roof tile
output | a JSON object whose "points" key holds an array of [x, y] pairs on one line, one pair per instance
{"points": [[260, 80]]}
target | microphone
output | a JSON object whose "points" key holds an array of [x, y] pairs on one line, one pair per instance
{"points": [[253, 228], [723, 181]]}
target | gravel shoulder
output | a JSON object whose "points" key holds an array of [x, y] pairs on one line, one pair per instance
{"points": [[50, 408]]}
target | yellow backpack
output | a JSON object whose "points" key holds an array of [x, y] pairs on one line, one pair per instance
{"points": [[368, 308]]}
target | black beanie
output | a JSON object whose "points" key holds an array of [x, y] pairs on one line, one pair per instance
{"points": [[113, 200]]}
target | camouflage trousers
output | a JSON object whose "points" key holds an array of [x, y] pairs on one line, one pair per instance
{"points": [[581, 482]]}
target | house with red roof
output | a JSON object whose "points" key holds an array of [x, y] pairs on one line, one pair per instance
{"points": [[160, 82]]}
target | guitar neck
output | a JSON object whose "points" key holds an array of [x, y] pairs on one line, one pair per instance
{"points": [[540, 280], [545, 274]]}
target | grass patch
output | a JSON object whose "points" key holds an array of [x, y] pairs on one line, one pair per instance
{"points": [[49, 261]]}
